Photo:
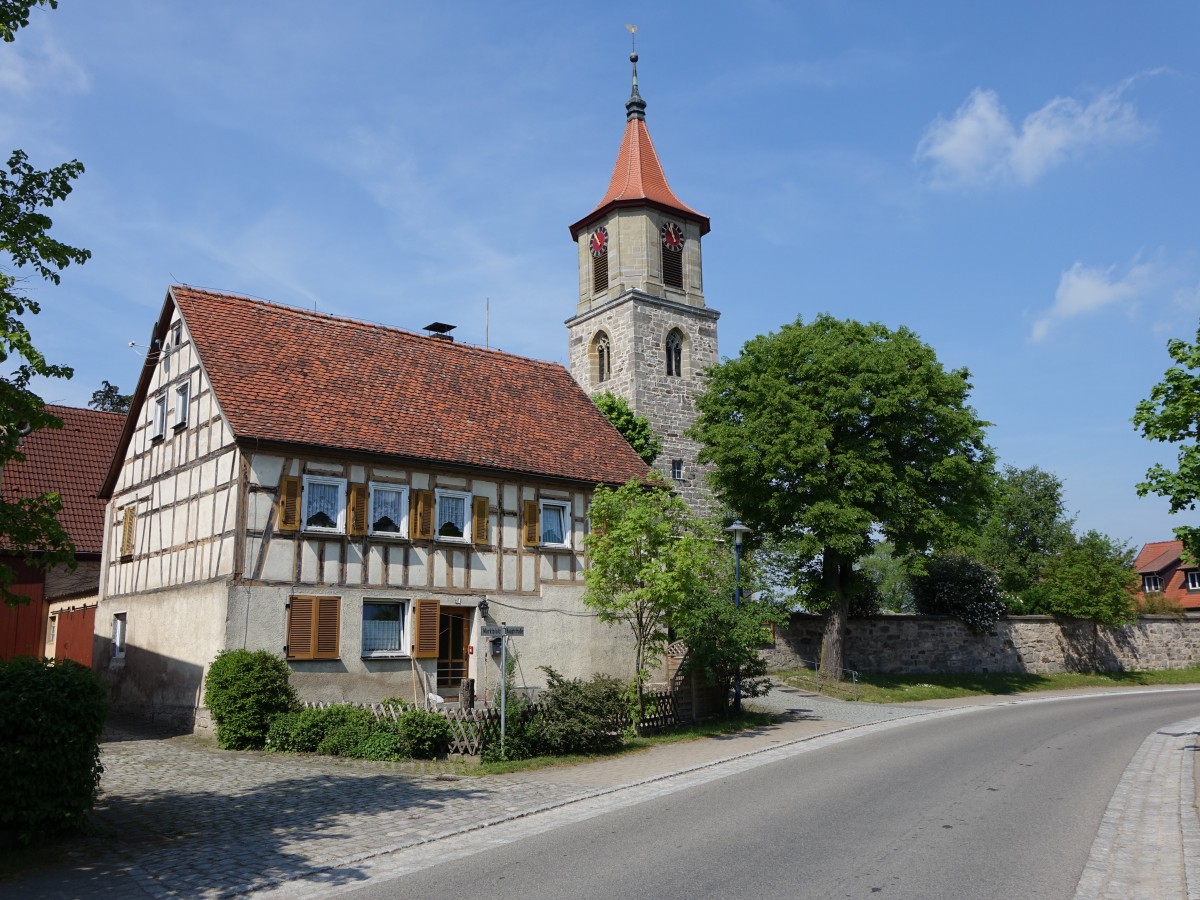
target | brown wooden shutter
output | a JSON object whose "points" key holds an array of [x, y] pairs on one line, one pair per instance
{"points": [[128, 526], [479, 520], [325, 634], [300, 628], [289, 503], [425, 629], [420, 523], [357, 511], [531, 531]]}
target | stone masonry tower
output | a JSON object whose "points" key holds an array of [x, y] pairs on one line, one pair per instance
{"points": [[641, 329]]}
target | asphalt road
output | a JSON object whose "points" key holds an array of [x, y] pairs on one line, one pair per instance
{"points": [[999, 802]]}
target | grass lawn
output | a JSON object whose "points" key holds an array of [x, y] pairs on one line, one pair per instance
{"points": [[903, 688]]}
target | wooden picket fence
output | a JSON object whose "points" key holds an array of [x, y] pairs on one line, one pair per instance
{"points": [[470, 729]]}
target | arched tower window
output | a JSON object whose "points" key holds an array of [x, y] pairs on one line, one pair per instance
{"points": [[602, 356], [674, 349]]}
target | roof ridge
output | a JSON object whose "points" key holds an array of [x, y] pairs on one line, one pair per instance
{"points": [[342, 320]]}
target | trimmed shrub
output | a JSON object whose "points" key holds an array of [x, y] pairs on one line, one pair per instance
{"points": [[384, 745], [349, 728], [958, 586], [426, 735], [50, 722], [580, 716], [245, 690]]}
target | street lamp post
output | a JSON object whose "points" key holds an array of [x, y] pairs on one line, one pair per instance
{"points": [[738, 530]]}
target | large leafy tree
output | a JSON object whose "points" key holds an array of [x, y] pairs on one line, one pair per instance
{"points": [[1026, 527], [1172, 414], [634, 428], [28, 526], [835, 434]]}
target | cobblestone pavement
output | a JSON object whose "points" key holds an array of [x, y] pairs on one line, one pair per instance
{"points": [[178, 817]]}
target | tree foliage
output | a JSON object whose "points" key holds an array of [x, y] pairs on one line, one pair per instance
{"points": [[646, 562], [959, 586], [110, 399], [634, 428], [1092, 578], [1026, 527], [833, 434], [1171, 414], [28, 526]]}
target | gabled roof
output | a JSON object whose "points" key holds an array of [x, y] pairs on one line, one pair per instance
{"points": [[1156, 556], [71, 460], [288, 375]]}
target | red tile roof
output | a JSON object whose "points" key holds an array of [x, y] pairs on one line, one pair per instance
{"points": [[290, 375], [71, 460], [638, 179], [1156, 556]]}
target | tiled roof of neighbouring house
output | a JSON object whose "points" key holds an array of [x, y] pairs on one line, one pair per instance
{"points": [[1156, 556], [290, 375], [71, 460]]}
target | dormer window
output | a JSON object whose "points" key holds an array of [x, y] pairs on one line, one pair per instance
{"points": [[674, 349], [1193, 581], [1151, 584]]}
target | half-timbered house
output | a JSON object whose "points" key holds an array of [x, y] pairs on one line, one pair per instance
{"points": [[356, 498]]}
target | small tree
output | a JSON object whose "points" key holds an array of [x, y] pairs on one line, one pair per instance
{"points": [[634, 428], [647, 562], [1172, 415]]}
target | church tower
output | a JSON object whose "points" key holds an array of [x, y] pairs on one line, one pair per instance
{"points": [[641, 329]]}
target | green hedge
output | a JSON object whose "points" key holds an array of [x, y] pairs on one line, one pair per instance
{"points": [[351, 731], [245, 690], [51, 715]]}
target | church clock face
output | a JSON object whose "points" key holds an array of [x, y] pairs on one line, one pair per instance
{"points": [[598, 242], [672, 236]]}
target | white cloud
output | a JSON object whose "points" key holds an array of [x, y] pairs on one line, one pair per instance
{"points": [[980, 144], [1083, 290], [47, 64]]}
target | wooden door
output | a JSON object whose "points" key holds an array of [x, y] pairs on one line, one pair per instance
{"points": [[453, 633]]}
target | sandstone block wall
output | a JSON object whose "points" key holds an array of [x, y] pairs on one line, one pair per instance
{"points": [[1021, 644]]}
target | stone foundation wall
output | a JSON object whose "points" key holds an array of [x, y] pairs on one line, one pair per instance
{"points": [[1034, 644]]}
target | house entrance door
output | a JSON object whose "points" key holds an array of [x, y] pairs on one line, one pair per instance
{"points": [[453, 631]]}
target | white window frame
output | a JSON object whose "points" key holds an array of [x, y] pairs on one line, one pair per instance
{"points": [[1151, 584], [441, 494], [402, 525], [677, 469], [177, 333], [183, 396], [565, 506], [159, 416], [120, 633], [401, 639], [1193, 580], [340, 484]]}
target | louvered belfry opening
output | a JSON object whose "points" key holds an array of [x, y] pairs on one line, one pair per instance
{"points": [[600, 273], [672, 266]]}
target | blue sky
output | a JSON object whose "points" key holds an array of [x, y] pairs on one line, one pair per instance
{"points": [[1014, 182]]}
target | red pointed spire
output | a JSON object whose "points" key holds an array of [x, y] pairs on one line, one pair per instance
{"points": [[638, 178]]}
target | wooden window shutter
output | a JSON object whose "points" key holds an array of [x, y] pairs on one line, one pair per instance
{"points": [[479, 520], [531, 534], [289, 503], [420, 521], [357, 509], [328, 625], [300, 628], [425, 629], [128, 524]]}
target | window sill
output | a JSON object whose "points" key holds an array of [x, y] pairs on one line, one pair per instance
{"points": [[179, 426], [387, 536], [157, 438], [385, 654], [554, 547], [462, 541], [323, 532]]}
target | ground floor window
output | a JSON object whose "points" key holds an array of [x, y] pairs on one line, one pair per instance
{"points": [[382, 628]]}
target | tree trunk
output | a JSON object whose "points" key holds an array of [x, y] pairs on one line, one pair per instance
{"points": [[833, 638], [835, 577]]}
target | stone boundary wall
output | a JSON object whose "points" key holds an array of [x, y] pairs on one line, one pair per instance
{"points": [[910, 645]]}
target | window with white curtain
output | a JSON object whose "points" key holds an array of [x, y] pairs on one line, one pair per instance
{"points": [[556, 523], [382, 628], [389, 509], [324, 504], [453, 516]]}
